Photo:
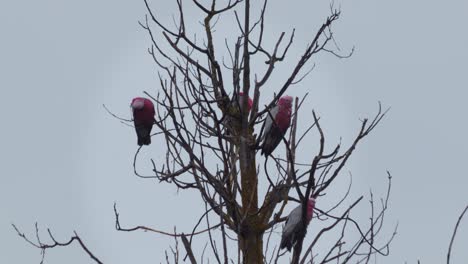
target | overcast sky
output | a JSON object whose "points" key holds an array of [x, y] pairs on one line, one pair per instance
{"points": [[65, 160]]}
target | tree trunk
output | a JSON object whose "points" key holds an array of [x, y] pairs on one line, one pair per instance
{"points": [[252, 248], [250, 235]]}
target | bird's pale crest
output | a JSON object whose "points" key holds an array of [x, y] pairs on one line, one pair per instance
{"points": [[138, 104]]}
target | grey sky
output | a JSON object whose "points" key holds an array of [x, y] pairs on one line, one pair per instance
{"points": [[65, 161]]}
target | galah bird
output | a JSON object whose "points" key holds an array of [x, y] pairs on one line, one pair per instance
{"points": [[293, 226], [143, 118], [274, 130], [249, 101], [229, 121]]}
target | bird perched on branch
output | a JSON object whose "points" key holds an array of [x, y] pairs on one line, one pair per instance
{"points": [[249, 101], [276, 124], [231, 121], [293, 227], [143, 118]]}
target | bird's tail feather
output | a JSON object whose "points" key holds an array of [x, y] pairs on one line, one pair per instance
{"points": [[144, 140], [286, 243]]}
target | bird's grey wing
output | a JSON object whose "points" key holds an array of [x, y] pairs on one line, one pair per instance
{"points": [[269, 121], [293, 220]]}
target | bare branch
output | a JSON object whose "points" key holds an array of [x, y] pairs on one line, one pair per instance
{"points": [[43, 247], [454, 233]]}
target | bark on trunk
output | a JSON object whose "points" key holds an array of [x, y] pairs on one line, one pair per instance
{"points": [[252, 249], [250, 235]]}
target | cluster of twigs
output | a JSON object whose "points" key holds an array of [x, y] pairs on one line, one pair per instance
{"points": [[45, 246]]}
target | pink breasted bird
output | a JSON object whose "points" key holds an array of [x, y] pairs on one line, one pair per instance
{"points": [[275, 130], [230, 120], [294, 227], [249, 101], [143, 118]]}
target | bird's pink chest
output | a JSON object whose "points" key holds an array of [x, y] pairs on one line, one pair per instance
{"points": [[283, 118], [144, 116]]}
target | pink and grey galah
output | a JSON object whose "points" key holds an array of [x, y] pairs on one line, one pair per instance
{"points": [[293, 227], [143, 118], [275, 128], [249, 101], [230, 121]]}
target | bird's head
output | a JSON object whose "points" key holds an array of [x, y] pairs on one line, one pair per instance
{"points": [[137, 103], [310, 208], [285, 101]]}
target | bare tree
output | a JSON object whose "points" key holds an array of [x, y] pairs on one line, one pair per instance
{"points": [[212, 142]]}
